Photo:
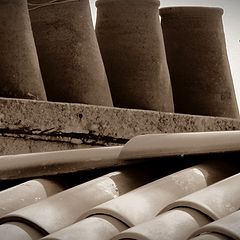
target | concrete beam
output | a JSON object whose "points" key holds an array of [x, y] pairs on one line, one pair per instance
{"points": [[35, 126]]}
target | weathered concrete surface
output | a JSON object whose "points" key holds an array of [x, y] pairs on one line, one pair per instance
{"points": [[13, 145], [34, 126]]}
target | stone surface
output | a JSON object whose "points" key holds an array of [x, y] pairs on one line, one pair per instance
{"points": [[35, 126], [20, 144]]}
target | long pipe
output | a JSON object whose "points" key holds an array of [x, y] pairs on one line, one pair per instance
{"points": [[135, 150]]}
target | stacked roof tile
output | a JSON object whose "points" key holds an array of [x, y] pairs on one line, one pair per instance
{"points": [[193, 199]]}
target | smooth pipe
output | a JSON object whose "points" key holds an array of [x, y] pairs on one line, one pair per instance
{"points": [[144, 203], [27, 193], [136, 150], [98, 227], [177, 224], [216, 201], [228, 226], [65, 208]]}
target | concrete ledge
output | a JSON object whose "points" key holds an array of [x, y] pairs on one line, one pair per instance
{"points": [[39, 126]]}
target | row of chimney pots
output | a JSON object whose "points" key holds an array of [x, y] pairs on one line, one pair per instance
{"points": [[130, 60]]}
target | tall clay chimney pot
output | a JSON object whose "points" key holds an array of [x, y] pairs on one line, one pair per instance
{"points": [[69, 54], [20, 75], [198, 63], [130, 39]]}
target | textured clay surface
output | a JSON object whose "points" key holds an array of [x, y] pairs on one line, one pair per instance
{"points": [[69, 55], [20, 75], [198, 62], [131, 42]]}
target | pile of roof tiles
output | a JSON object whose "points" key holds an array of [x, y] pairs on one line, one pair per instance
{"points": [[173, 207], [190, 200]]}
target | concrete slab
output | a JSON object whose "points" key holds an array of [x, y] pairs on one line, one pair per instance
{"points": [[35, 126]]}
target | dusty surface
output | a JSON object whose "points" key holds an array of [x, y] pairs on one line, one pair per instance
{"points": [[44, 126], [198, 62], [20, 75], [131, 43], [69, 55]]}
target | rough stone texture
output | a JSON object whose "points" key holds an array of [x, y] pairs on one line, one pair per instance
{"points": [[131, 42], [35, 126], [198, 61], [69, 55], [20, 75], [12, 144]]}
